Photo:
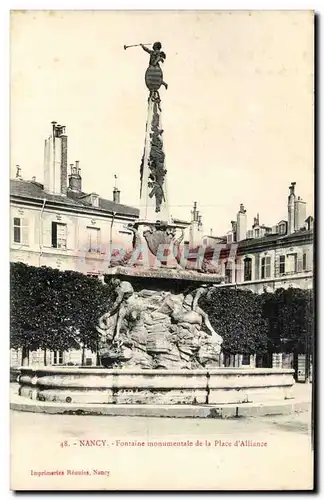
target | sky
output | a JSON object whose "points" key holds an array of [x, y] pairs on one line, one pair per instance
{"points": [[237, 115]]}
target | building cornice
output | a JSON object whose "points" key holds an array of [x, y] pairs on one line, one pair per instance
{"points": [[270, 244], [72, 209]]}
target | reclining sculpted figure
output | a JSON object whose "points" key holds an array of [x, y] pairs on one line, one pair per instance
{"points": [[189, 312]]}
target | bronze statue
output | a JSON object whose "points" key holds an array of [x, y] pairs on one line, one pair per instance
{"points": [[154, 75], [176, 246], [156, 156], [137, 240]]}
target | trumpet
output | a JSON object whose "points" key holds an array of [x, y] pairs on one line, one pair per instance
{"points": [[137, 45]]}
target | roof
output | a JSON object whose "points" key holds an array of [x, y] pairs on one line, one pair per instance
{"points": [[265, 242], [35, 191], [274, 238], [180, 221], [222, 238]]}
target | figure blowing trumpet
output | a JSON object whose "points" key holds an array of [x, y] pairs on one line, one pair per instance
{"points": [[136, 45], [153, 75]]}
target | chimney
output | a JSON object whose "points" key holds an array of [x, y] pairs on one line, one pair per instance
{"points": [[256, 221], [116, 195], [309, 223], [195, 229], [299, 214], [55, 161], [18, 170], [291, 208], [34, 179], [200, 224], [195, 213], [75, 179], [241, 224], [116, 191]]}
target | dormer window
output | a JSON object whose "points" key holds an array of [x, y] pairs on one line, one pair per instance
{"points": [[94, 199], [282, 227]]}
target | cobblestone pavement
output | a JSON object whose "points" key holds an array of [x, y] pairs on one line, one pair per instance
{"points": [[111, 444]]}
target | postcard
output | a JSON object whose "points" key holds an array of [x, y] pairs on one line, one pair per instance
{"points": [[161, 250]]}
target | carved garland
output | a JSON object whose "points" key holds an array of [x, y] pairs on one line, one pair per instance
{"points": [[156, 161]]}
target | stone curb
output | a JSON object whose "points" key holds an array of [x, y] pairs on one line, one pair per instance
{"points": [[167, 411]]}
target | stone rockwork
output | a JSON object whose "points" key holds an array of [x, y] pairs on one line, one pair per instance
{"points": [[157, 329]]}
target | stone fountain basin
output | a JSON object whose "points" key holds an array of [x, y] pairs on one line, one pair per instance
{"points": [[158, 387]]}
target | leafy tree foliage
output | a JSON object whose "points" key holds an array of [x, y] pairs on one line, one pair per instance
{"points": [[55, 310], [290, 316], [236, 315], [272, 322]]}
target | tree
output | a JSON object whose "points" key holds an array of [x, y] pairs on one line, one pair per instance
{"points": [[236, 315], [23, 332], [55, 310], [289, 314]]}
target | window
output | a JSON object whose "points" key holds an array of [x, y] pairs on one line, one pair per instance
{"points": [[57, 357], [93, 239], [257, 233], [265, 267], [238, 269], [228, 272], [58, 235], [282, 263], [291, 263], [17, 230], [282, 229], [20, 231], [246, 359], [304, 261], [227, 360], [247, 269]]}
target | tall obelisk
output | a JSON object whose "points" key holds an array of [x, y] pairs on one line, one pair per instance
{"points": [[153, 185]]}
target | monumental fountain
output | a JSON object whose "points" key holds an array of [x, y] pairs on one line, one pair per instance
{"points": [[157, 346]]}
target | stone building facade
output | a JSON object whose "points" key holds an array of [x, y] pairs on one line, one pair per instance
{"points": [[266, 257], [59, 225]]}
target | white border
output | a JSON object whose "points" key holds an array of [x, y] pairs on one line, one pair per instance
{"points": [[5, 7]]}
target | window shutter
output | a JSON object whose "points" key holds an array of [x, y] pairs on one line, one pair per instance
{"points": [[299, 263], [54, 234], [263, 268], [24, 231], [70, 236], [257, 267], [61, 235]]}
